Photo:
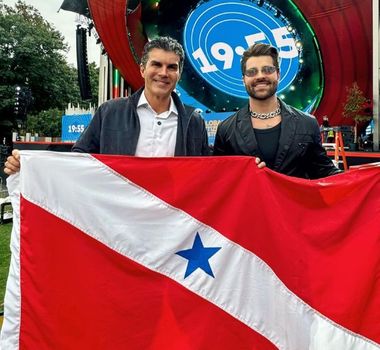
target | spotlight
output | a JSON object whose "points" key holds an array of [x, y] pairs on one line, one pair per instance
{"points": [[260, 3], [277, 13]]}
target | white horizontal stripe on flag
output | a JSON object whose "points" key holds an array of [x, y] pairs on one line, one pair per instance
{"points": [[125, 217]]}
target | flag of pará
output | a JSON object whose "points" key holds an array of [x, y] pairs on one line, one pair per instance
{"points": [[115, 252]]}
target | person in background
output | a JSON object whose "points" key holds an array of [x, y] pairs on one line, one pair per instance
{"points": [[328, 135], [325, 121], [282, 137], [152, 122]]}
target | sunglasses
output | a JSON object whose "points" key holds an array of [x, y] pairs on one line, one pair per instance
{"points": [[266, 70]]}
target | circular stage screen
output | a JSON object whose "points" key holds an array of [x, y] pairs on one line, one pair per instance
{"points": [[215, 33]]}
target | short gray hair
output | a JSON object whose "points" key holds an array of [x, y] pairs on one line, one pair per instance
{"points": [[165, 43]]}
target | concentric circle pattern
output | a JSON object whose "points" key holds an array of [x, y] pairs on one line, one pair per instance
{"points": [[333, 39], [217, 33]]}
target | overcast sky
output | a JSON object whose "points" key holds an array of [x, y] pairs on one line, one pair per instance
{"points": [[64, 22]]}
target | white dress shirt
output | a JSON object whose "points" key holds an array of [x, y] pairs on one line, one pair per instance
{"points": [[158, 132]]}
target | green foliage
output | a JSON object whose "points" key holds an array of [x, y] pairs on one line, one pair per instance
{"points": [[356, 107], [5, 236], [94, 81], [355, 104], [46, 123], [32, 54]]}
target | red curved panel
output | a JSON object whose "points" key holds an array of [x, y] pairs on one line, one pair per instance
{"points": [[111, 24], [136, 30], [343, 29], [344, 32]]}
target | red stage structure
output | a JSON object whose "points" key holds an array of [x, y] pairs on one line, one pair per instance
{"points": [[343, 30]]}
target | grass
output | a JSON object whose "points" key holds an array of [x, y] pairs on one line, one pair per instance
{"points": [[5, 255]]}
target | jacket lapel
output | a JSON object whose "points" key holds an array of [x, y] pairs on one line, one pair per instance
{"points": [[133, 130], [244, 126], [288, 131], [184, 115]]}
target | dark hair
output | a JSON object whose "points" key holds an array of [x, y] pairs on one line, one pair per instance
{"points": [[259, 49], [164, 43]]}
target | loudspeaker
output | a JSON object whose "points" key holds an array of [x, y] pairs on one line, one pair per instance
{"points": [[82, 62]]}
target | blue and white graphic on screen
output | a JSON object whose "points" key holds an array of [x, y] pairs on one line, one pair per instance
{"points": [[73, 126], [218, 32]]}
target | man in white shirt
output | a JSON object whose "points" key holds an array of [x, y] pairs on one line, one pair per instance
{"points": [[158, 131], [152, 122]]}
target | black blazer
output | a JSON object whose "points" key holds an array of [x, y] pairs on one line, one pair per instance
{"points": [[299, 153], [115, 129]]}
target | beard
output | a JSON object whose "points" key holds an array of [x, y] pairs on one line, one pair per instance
{"points": [[272, 89]]}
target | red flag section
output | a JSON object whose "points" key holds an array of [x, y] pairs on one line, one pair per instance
{"points": [[86, 290], [79, 294], [321, 237]]}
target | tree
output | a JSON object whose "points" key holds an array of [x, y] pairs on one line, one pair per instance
{"points": [[94, 81], [356, 107], [32, 56], [46, 123]]}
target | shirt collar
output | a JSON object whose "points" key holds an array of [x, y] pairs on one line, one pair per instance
{"points": [[143, 102]]}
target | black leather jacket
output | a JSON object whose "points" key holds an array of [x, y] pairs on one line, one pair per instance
{"points": [[115, 129], [299, 153]]}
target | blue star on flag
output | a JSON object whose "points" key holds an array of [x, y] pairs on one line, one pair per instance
{"points": [[198, 257]]}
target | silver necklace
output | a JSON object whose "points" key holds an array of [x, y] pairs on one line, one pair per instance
{"points": [[264, 116]]}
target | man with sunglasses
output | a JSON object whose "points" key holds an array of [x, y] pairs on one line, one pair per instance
{"points": [[281, 137]]}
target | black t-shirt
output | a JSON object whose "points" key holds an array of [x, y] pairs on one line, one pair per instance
{"points": [[267, 141]]}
